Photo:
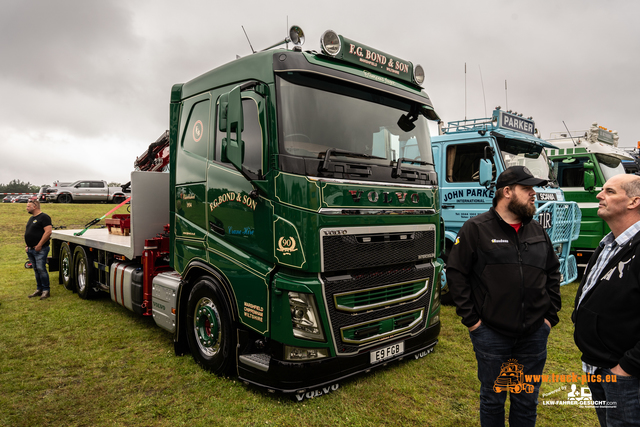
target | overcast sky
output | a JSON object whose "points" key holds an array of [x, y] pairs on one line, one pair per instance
{"points": [[86, 84]]}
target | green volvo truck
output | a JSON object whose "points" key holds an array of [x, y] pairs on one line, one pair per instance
{"points": [[582, 162], [294, 241]]}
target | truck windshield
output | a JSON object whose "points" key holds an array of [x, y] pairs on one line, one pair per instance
{"points": [[355, 124], [533, 157], [610, 166]]}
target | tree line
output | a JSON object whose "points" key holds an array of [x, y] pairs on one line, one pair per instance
{"points": [[17, 186]]}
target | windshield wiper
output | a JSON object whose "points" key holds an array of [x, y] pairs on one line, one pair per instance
{"points": [[335, 151], [398, 171]]}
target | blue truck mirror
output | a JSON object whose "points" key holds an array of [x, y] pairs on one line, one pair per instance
{"points": [[486, 172]]}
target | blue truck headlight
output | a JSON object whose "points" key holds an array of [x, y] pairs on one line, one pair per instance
{"points": [[304, 317]]}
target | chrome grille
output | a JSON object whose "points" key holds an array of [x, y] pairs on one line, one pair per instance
{"points": [[354, 248]]}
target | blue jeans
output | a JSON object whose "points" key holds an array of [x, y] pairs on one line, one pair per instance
{"points": [[39, 263], [504, 364], [625, 392]]}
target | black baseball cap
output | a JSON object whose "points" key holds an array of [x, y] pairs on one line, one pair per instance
{"points": [[519, 175]]}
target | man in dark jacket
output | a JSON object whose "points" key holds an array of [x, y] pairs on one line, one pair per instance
{"points": [[504, 279], [607, 307]]}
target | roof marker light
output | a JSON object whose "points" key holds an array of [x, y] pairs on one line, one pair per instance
{"points": [[330, 42], [418, 74]]}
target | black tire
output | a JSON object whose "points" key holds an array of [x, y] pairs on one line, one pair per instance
{"points": [[210, 333], [65, 198], [118, 199], [83, 274], [66, 267], [445, 295]]}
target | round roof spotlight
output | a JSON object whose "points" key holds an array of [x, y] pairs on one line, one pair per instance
{"points": [[330, 42], [418, 74], [296, 35]]}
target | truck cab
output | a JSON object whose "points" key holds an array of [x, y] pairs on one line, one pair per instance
{"points": [[582, 162], [304, 214], [467, 188]]}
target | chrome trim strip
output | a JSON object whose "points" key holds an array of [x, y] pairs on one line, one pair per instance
{"points": [[399, 211], [415, 295], [386, 334], [371, 183]]}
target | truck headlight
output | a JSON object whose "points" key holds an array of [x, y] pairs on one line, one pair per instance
{"points": [[304, 317]]}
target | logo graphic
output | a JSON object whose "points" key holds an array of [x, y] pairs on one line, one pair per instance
{"points": [[583, 394], [197, 131], [457, 241], [620, 269], [287, 245], [511, 378], [499, 241], [387, 197], [334, 232]]}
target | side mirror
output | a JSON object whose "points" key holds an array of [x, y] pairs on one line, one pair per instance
{"points": [[589, 177], [486, 172], [231, 119]]}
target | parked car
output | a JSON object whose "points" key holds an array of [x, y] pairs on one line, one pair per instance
{"points": [[24, 198], [86, 191], [42, 194], [8, 199]]}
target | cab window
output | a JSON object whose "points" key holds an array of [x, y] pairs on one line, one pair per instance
{"points": [[196, 133], [463, 162], [570, 173]]}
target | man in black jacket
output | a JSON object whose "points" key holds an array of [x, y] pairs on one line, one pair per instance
{"points": [[504, 279], [607, 307]]}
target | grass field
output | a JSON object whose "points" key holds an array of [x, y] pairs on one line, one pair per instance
{"points": [[69, 362]]}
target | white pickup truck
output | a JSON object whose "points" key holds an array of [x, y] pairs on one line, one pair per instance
{"points": [[86, 191]]}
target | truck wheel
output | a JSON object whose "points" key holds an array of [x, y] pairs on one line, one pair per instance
{"points": [[118, 199], [64, 198], [66, 267], [210, 333], [83, 274]]}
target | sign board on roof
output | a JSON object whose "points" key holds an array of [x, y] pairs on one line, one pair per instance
{"points": [[516, 123], [367, 57], [605, 136]]}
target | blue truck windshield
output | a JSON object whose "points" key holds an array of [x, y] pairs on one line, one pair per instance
{"points": [[533, 157], [352, 122]]}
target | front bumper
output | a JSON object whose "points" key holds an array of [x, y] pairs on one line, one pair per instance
{"points": [[302, 377]]}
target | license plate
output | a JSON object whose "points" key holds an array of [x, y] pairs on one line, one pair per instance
{"points": [[388, 352], [544, 218]]}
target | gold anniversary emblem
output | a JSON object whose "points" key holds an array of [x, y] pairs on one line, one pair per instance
{"points": [[287, 245]]}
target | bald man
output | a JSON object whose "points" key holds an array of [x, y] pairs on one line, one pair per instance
{"points": [[607, 307]]}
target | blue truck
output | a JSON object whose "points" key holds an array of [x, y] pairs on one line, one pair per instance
{"points": [[470, 154]]}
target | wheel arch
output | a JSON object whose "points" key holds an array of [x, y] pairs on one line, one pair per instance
{"points": [[450, 238], [194, 271]]}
